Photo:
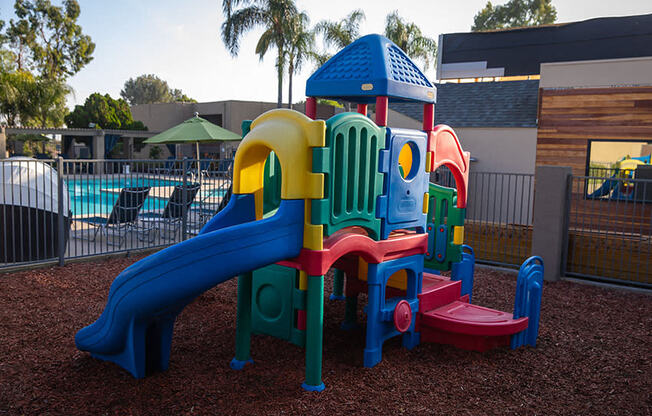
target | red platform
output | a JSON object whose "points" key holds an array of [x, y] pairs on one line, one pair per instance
{"points": [[446, 318], [354, 241]]}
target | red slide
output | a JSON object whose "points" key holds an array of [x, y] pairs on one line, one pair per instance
{"points": [[445, 317]]}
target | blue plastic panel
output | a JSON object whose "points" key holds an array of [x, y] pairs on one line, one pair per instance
{"points": [[401, 205], [369, 67], [529, 287], [463, 270]]}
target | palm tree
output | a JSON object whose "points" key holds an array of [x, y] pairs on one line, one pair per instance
{"points": [[300, 47], [338, 34], [273, 15], [408, 37]]}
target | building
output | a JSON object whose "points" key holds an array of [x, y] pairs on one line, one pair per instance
{"points": [[595, 83], [227, 114], [495, 121]]}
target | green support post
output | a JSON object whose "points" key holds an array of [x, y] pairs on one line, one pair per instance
{"points": [[338, 285], [350, 313], [314, 333], [243, 323]]}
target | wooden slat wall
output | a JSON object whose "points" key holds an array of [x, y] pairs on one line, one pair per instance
{"points": [[569, 118]]}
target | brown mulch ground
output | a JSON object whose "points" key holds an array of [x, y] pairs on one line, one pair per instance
{"points": [[594, 356]]}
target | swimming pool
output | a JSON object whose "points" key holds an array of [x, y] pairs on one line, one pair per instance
{"points": [[90, 196]]}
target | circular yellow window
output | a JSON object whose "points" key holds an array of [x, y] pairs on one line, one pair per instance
{"points": [[407, 165]]}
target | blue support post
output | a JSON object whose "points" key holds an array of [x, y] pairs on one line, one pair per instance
{"points": [[529, 287], [464, 270], [381, 318]]}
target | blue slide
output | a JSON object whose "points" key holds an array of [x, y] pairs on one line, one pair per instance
{"points": [[606, 188], [135, 329]]}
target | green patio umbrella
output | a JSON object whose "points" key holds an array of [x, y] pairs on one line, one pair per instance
{"points": [[194, 130]]}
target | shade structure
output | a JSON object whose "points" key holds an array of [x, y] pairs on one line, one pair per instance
{"points": [[194, 130], [370, 67]]}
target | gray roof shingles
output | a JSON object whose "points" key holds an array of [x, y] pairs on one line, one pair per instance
{"points": [[481, 104]]}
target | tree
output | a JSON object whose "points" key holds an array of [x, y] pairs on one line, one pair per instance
{"points": [[38, 52], [13, 97], [300, 46], [408, 36], [338, 34], [515, 13], [149, 88], [46, 103], [47, 39], [29, 101], [103, 112], [274, 16], [179, 97]]}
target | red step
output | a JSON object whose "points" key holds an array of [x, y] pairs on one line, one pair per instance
{"points": [[464, 318], [438, 291]]}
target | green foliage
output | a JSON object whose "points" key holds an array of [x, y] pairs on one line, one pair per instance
{"points": [[149, 88], [3, 38], [338, 34], [273, 16], [34, 144], [38, 51], [515, 13], [155, 152], [329, 102], [408, 36], [47, 39], [103, 112], [179, 97], [30, 101]]}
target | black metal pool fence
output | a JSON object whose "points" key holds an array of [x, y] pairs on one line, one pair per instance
{"points": [[56, 209]]}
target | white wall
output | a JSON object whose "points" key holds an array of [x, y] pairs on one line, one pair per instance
{"points": [[504, 149], [597, 73], [497, 149]]}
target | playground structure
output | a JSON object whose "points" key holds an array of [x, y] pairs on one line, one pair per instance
{"points": [[310, 195], [617, 187]]}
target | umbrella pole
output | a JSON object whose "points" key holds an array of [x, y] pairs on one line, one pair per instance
{"points": [[198, 164]]}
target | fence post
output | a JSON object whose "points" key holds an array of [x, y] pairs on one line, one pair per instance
{"points": [[61, 241], [184, 198], [550, 222]]}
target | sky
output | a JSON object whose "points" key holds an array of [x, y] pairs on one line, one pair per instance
{"points": [[179, 41]]}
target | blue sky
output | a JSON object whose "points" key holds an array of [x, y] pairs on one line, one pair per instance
{"points": [[180, 40]]}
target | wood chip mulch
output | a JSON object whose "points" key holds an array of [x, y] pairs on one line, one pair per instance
{"points": [[594, 356]]}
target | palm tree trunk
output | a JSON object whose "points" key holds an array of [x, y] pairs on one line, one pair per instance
{"points": [[290, 72], [279, 70]]}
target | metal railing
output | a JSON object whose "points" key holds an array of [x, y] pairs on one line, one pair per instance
{"points": [[610, 230], [498, 215], [64, 209]]}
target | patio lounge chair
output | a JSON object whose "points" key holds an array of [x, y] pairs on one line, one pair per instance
{"points": [[167, 168], [171, 218], [123, 215], [206, 209], [215, 168]]}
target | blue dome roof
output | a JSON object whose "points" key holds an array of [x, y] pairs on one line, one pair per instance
{"points": [[369, 67]]}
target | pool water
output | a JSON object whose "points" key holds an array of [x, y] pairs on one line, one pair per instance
{"points": [[89, 196]]}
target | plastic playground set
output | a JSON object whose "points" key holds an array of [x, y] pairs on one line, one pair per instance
{"points": [[618, 187], [309, 195]]}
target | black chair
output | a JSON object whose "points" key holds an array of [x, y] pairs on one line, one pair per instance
{"points": [[123, 215], [171, 218]]}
